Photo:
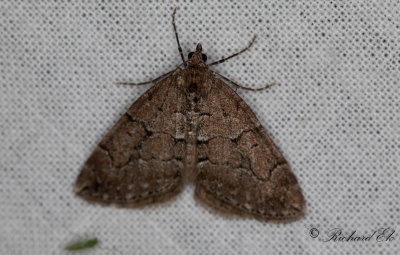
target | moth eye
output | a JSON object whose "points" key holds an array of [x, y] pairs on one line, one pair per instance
{"points": [[190, 55], [204, 57]]}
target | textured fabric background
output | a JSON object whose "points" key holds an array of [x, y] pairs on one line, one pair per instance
{"points": [[334, 115]]}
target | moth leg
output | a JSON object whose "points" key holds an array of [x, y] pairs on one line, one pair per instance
{"points": [[237, 53], [177, 38], [151, 81], [241, 87]]}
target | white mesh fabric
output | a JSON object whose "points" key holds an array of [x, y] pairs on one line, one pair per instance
{"points": [[334, 114]]}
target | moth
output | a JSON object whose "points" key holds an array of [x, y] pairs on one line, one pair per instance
{"points": [[82, 245], [191, 126]]}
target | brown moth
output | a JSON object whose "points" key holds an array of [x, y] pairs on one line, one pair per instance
{"points": [[191, 126]]}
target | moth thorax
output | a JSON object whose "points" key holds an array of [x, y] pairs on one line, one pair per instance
{"points": [[194, 81]]}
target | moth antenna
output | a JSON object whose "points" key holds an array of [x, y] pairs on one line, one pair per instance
{"points": [[148, 82], [242, 87], [237, 53], [176, 36]]}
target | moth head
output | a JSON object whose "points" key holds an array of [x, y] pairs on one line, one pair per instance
{"points": [[197, 57]]}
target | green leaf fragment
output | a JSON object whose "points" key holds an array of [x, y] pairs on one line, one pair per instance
{"points": [[82, 245]]}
